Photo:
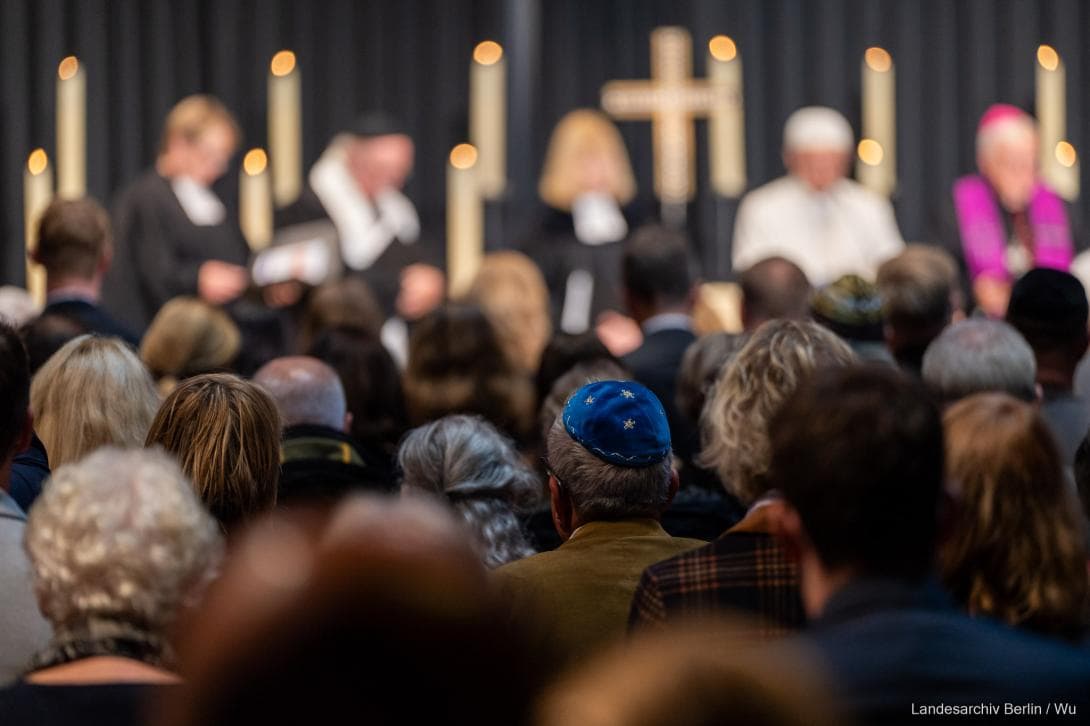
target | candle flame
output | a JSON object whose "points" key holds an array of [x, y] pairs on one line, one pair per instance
{"points": [[1065, 154], [722, 48], [878, 59], [68, 67], [37, 162], [282, 63], [870, 152], [463, 156], [255, 162], [1048, 57], [487, 53]]}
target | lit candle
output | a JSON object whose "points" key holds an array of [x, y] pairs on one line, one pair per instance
{"points": [[877, 167], [71, 129], [465, 220], [1066, 174], [37, 194], [726, 122], [285, 128], [255, 200], [1052, 124], [488, 116]]}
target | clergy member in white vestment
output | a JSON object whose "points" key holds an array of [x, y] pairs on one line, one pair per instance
{"points": [[815, 216]]}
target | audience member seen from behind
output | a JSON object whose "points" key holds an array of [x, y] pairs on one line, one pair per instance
{"points": [[511, 291], [457, 365], [562, 353], [344, 303], [225, 433], [189, 337], [773, 289], [319, 462], [466, 463], [396, 577], [976, 356], [851, 307], [746, 568], [1049, 309], [120, 546], [858, 456], [1016, 548]]}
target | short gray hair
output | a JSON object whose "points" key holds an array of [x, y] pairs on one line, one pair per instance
{"points": [[980, 355], [120, 535], [306, 390], [466, 461], [603, 491]]}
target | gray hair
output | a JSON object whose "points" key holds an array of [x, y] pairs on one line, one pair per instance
{"points": [[121, 536], [466, 461], [980, 355], [591, 371], [602, 491], [306, 390]]}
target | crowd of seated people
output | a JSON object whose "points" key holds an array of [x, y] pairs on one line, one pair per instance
{"points": [[867, 506]]}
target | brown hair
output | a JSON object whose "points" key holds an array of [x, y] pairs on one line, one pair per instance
{"points": [[511, 291], [347, 303], [73, 238], [192, 116], [225, 433], [577, 135], [1017, 550]]}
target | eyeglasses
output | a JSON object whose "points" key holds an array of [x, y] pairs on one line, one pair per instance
{"points": [[549, 472]]}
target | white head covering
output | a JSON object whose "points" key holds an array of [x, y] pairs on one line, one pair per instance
{"points": [[817, 128]]}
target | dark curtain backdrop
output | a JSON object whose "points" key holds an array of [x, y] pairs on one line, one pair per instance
{"points": [[954, 58]]}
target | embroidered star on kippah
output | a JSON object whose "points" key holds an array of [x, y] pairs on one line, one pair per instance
{"points": [[628, 394], [589, 400], [629, 424]]}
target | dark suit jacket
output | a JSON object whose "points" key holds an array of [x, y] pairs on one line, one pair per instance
{"points": [[655, 364], [92, 318], [892, 647], [745, 569]]}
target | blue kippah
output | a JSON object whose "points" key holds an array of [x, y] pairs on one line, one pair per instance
{"points": [[618, 421]]}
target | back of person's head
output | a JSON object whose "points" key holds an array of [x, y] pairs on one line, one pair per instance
{"points": [[395, 580], [225, 433], [344, 303], [851, 307], [457, 365], [372, 385], [47, 334], [119, 539], [14, 393], [657, 268], [1049, 308], [775, 360], [511, 291], [188, 337], [466, 462], [93, 392], [977, 355], [562, 353], [858, 454], [603, 369], [918, 289], [1017, 548], [306, 391], [74, 239], [774, 288], [704, 359]]}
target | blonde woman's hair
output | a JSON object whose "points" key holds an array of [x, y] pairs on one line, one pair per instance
{"points": [[768, 369], [192, 116], [92, 392], [1017, 550], [577, 136], [187, 337], [511, 291]]}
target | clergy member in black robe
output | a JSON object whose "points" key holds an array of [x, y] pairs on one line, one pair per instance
{"points": [[173, 234]]}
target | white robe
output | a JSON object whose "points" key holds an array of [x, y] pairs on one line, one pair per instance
{"points": [[845, 229]]}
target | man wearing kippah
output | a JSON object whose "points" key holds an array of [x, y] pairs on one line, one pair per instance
{"points": [[815, 216], [610, 479]]}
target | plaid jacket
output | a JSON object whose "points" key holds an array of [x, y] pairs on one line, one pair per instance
{"points": [[744, 570]]}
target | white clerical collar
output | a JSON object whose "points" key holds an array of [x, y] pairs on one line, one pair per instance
{"points": [[666, 321], [199, 203], [597, 219]]}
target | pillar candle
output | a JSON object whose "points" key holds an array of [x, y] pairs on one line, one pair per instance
{"points": [[255, 200], [285, 128], [877, 167], [465, 220], [1051, 109], [488, 116], [71, 129], [37, 194], [726, 123]]}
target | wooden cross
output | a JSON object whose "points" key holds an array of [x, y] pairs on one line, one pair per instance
{"points": [[672, 100]]}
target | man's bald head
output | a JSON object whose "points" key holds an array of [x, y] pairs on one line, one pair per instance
{"points": [[306, 391]]}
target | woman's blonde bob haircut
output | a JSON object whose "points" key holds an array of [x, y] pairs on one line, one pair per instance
{"points": [[768, 369], [580, 135], [187, 337], [511, 291], [92, 392]]}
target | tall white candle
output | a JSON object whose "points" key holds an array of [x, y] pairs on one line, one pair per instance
{"points": [[488, 116], [1059, 164], [71, 129], [877, 167], [37, 194], [255, 200], [285, 128], [465, 220], [726, 122]]}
